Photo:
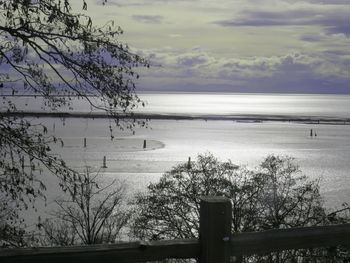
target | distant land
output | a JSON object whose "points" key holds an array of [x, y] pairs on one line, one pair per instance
{"points": [[238, 118]]}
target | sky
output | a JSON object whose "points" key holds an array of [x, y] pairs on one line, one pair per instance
{"points": [[236, 45]]}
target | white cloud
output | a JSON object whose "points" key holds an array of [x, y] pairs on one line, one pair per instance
{"points": [[239, 42], [200, 68]]}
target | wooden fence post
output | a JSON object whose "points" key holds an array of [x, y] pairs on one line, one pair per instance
{"points": [[215, 230]]}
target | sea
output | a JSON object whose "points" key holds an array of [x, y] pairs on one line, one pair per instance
{"points": [[172, 140]]}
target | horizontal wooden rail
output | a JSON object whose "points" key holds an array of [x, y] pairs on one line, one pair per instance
{"points": [[119, 252], [241, 244], [214, 245], [292, 238]]}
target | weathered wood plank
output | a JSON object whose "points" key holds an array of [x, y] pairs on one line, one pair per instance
{"points": [[119, 252], [293, 238], [215, 230]]}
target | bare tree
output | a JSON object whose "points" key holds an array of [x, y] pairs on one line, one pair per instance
{"points": [[49, 51], [9, 234], [92, 214], [56, 232]]}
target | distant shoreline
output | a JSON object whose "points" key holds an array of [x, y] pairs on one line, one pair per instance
{"points": [[252, 118], [152, 92]]}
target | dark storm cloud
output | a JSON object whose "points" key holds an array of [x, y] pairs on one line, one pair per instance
{"points": [[288, 18], [191, 60], [310, 85], [125, 3], [148, 19], [326, 2], [341, 29], [337, 52], [334, 22], [312, 38], [270, 18]]}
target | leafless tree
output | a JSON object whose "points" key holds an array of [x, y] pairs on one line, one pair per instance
{"points": [[93, 213], [54, 54]]}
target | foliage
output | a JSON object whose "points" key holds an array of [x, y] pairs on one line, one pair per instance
{"points": [[9, 235], [274, 195], [288, 199], [90, 215], [51, 52], [57, 52], [170, 208]]}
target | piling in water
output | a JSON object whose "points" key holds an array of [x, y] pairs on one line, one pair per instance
{"points": [[144, 144], [84, 142], [104, 162]]}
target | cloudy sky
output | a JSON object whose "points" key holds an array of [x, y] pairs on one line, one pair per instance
{"points": [[237, 45]]}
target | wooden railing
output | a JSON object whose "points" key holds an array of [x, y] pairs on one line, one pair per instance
{"points": [[216, 244]]}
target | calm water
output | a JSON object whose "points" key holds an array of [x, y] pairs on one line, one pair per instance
{"points": [[255, 104], [337, 106], [170, 142]]}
